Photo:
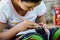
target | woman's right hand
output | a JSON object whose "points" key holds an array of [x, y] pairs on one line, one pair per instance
{"points": [[26, 24], [19, 27]]}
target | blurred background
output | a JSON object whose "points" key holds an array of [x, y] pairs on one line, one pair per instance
{"points": [[49, 16]]}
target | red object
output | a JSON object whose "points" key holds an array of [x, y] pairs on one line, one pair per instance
{"points": [[57, 16], [58, 38]]}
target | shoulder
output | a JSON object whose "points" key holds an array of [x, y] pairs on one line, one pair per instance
{"points": [[3, 3], [41, 5], [41, 8], [4, 7]]}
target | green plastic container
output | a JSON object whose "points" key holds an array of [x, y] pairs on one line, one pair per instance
{"points": [[31, 36], [56, 34], [34, 37]]}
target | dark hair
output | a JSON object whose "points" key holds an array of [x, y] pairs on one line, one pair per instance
{"points": [[36, 1]]}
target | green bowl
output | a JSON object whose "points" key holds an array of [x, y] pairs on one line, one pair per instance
{"points": [[34, 37], [56, 34]]}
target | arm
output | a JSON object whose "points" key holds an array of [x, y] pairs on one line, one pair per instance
{"points": [[12, 32], [40, 19], [9, 34], [19, 27]]}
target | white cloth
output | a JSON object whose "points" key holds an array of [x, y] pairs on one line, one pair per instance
{"points": [[8, 13]]}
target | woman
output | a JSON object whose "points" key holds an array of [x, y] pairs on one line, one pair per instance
{"points": [[13, 12]]}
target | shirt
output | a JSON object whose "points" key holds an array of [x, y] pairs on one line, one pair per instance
{"points": [[9, 15]]}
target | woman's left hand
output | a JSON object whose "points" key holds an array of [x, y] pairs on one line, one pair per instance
{"points": [[44, 26]]}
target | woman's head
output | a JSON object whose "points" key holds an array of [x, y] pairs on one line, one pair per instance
{"points": [[28, 4]]}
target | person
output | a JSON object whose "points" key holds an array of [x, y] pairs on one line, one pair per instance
{"points": [[19, 27], [13, 12]]}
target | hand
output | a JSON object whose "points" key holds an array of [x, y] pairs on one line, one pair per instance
{"points": [[43, 25], [26, 24]]}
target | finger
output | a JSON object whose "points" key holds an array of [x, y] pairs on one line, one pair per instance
{"points": [[32, 23], [42, 24], [33, 26]]}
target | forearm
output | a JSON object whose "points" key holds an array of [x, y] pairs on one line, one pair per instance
{"points": [[9, 34], [40, 19]]}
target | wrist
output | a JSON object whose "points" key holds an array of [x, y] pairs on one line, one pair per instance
{"points": [[20, 27]]}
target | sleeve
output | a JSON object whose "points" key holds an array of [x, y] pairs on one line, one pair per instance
{"points": [[3, 18], [41, 9]]}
